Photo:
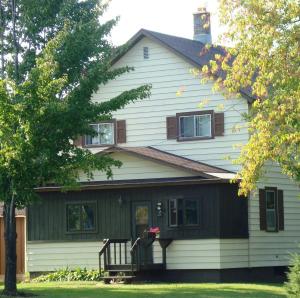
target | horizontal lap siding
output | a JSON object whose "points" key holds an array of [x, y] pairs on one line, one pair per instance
{"points": [[205, 254], [274, 249], [137, 168], [146, 119], [53, 256]]}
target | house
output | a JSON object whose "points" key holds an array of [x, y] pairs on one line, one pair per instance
{"points": [[21, 237], [175, 176]]}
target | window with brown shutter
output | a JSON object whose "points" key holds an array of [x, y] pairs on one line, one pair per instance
{"points": [[172, 128], [219, 124], [121, 131], [197, 125], [271, 209]]}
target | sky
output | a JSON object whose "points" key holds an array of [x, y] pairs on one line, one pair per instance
{"points": [[174, 17]]}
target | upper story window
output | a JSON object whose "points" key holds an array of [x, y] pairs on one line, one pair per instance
{"points": [[105, 134], [146, 52], [81, 217], [195, 125], [183, 212]]}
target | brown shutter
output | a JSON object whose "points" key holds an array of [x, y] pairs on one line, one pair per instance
{"points": [[262, 210], [219, 124], [172, 128], [121, 131], [280, 210], [79, 141]]}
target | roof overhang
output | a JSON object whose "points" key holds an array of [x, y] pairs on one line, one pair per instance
{"points": [[138, 183]]}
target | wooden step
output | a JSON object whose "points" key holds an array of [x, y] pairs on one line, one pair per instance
{"points": [[120, 270], [125, 278], [121, 267]]}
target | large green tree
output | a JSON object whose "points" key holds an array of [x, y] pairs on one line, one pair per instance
{"points": [[54, 56], [264, 60]]}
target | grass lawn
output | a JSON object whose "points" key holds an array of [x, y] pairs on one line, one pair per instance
{"points": [[93, 289]]}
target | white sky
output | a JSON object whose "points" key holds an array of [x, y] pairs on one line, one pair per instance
{"points": [[174, 17]]}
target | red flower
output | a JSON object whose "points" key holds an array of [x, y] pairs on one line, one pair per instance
{"points": [[154, 230]]}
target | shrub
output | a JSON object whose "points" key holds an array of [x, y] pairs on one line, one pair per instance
{"points": [[70, 275], [293, 283]]}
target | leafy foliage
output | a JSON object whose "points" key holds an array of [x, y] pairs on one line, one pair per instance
{"points": [[54, 54], [293, 284], [67, 274], [264, 61]]}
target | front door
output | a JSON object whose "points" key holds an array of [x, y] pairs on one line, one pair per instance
{"points": [[142, 220]]}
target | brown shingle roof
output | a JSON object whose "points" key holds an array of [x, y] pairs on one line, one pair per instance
{"points": [[202, 169]]}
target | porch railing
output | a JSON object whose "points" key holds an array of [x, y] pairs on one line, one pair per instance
{"points": [[114, 252]]}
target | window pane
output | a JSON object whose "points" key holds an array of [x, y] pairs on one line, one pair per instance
{"points": [[180, 212], [173, 212], [142, 215], [187, 127], [88, 217], [271, 220], [106, 133], [73, 217], [93, 140], [191, 212], [203, 125], [270, 197]]}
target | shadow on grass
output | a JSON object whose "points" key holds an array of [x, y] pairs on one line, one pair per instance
{"points": [[158, 290]]}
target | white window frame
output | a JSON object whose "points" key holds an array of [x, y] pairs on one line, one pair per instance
{"points": [[195, 129], [112, 124], [271, 210]]}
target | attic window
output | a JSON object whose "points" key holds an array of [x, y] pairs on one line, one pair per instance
{"points": [[146, 52]]}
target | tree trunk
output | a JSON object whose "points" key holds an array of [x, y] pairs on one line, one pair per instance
{"points": [[2, 29], [10, 285]]}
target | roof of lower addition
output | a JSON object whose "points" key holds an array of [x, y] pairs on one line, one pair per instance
{"points": [[198, 168], [192, 51]]}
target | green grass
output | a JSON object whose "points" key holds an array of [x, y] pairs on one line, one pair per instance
{"points": [[93, 289]]}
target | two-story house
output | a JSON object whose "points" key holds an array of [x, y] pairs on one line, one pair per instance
{"points": [[175, 175]]}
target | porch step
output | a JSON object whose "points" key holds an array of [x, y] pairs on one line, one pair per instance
{"points": [[122, 268], [125, 278], [119, 270]]}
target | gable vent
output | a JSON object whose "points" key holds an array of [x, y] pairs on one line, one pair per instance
{"points": [[146, 52]]}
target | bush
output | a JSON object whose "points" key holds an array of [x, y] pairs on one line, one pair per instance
{"points": [[70, 275], [293, 283]]}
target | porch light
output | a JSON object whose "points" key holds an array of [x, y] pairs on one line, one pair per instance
{"points": [[159, 208]]}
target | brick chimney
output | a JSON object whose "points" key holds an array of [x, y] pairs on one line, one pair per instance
{"points": [[202, 28]]}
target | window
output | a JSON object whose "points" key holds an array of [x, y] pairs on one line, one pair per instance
{"points": [[105, 134], [271, 213], [183, 212], [146, 52], [81, 217], [195, 125], [271, 209]]}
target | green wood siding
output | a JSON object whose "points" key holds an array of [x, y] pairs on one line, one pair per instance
{"points": [[221, 213]]}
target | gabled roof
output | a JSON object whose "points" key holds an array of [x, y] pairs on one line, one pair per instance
{"points": [[198, 168], [192, 51]]}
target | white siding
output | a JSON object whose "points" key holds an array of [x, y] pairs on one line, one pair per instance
{"points": [[205, 254], [58, 255], [138, 168], [146, 119], [274, 249]]}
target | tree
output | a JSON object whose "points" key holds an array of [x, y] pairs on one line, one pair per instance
{"points": [[54, 56], [264, 60]]}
